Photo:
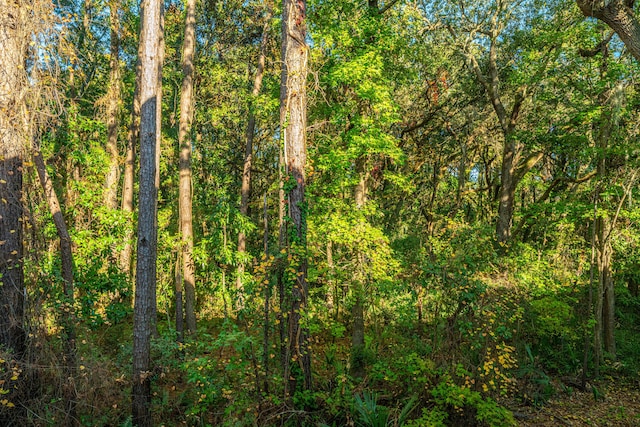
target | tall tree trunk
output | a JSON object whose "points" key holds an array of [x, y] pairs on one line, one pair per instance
{"points": [[144, 308], [608, 306], [160, 53], [245, 190], [186, 115], [605, 302], [267, 299], [589, 308], [129, 172], [357, 311], [113, 95], [12, 57], [293, 119], [68, 316], [282, 246]]}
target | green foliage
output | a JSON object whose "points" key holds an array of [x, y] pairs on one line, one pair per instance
{"points": [[466, 406]]}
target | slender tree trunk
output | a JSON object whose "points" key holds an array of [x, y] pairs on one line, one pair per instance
{"points": [[129, 172], [68, 316], [245, 190], [12, 57], [112, 178], [144, 308], [179, 299], [589, 308], [331, 294], [267, 298], [605, 303], [293, 119], [160, 53], [186, 115], [282, 246], [357, 311]]}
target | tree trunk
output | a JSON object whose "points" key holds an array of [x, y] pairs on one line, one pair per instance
{"points": [[185, 196], [331, 293], [160, 53], [179, 299], [608, 312], [619, 16], [113, 95], [357, 311], [267, 298], [245, 190], [68, 316], [144, 308], [507, 192], [12, 290], [129, 172], [507, 120], [282, 246], [589, 308], [605, 302], [293, 119]]}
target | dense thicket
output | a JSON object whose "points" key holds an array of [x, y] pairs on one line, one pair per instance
{"points": [[376, 213]]}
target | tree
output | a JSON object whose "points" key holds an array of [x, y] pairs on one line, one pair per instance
{"points": [[113, 108], [66, 256], [144, 309], [126, 206], [619, 15], [245, 189], [13, 43], [184, 141], [517, 160], [293, 122]]}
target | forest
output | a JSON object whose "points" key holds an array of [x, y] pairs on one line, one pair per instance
{"points": [[371, 213]]}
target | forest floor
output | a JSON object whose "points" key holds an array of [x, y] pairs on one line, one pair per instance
{"points": [[618, 404]]}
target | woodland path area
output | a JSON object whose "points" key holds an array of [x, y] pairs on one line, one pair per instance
{"points": [[618, 406]]}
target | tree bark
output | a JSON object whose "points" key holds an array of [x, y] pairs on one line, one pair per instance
{"points": [[144, 307], [245, 190], [113, 95], [619, 16], [68, 315], [129, 172], [184, 141], [507, 192], [293, 119], [12, 57]]}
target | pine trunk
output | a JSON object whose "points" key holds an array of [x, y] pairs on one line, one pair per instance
{"points": [[113, 94], [293, 119], [12, 56], [185, 196], [144, 308]]}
